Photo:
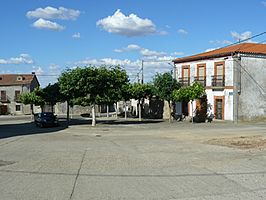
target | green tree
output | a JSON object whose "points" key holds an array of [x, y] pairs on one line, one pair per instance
{"points": [[115, 80], [69, 87], [34, 98], [190, 93], [91, 85], [140, 92], [165, 84], [52, 94]]}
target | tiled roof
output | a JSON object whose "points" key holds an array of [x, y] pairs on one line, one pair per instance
{"points": [[248, 48], [16, 79]]}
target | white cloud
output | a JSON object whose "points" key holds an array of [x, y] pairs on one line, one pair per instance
{"points": [[46, 24], [220, 42], [178, 54], [129, 26], [150, 53], [182, 31], [162, 32], [76, 35], [147, 53], [241, 36], [264, 3], [151, 67], [211, 49], [54, 13], [21, 59], [38, 70], [130, 47]]}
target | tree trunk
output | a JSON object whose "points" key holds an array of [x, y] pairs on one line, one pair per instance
{"points": [[170, 111], [93, 123], [125, 111], [116, 110], [192, 111], [139, 111], [67, 113], [107, 111], [32, 112]]}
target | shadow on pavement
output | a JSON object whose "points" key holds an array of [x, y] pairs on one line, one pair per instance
{"points": [[29, 128], [114, 122]]}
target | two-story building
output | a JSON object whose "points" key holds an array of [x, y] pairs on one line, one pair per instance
{"points": [[234, 78], [11, 86]]}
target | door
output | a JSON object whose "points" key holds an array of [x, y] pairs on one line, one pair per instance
{"points": [[186, 75], [219, 108], [3, 110], [185, 108]]}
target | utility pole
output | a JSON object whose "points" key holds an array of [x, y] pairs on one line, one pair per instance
{"points": [[142, 72]]}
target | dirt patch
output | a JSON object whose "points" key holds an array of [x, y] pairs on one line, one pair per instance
{"points": [[242, 142]]}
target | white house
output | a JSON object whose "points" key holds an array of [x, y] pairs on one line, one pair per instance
{"points": [[234, 78], [11, 86]]}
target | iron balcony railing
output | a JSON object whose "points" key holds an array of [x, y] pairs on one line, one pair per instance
{"points": [[184, 81], [17, 98], [218, 81], [201, 80], [4, 99]]}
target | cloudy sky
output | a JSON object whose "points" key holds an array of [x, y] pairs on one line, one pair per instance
{"points": [[50, 36]]}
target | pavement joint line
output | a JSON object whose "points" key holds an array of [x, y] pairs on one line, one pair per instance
{"points": [[76, 178], [136, 175]]}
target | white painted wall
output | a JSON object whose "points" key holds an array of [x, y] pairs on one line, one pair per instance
{"points": [[227, 93]]}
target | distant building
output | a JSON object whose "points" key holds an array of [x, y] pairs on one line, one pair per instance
{"points": [[234, 78], [11, 86]]}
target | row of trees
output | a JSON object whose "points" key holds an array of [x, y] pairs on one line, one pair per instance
{"points": [[90, 86]]}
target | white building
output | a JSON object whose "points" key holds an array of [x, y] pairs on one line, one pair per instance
{"points": [[234, 78], [11, 86]]}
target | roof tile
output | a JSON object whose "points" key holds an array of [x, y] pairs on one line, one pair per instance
{"points": [[249, 48]]}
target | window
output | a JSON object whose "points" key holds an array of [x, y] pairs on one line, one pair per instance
{"points": [[19, 78], [18, 107], [185, 80], [201, 74], [17, 95], [218, 79], [3, 95]]}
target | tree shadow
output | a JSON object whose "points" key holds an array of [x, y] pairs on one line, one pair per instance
{"points": [[114, 122], [27, 128]]}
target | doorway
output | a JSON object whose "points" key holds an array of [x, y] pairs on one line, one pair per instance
{"points": [[3, 110], [219, 107]]}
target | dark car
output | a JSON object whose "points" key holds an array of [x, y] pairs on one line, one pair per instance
{"points": [[46, 119]]}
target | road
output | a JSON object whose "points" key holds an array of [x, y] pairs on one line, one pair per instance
{"points": [[120, 160]]}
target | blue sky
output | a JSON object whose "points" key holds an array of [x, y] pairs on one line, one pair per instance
{"points": [[49, 36]]}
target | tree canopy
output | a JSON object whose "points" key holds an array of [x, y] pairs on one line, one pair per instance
{"points": [[165, 84], [195, 91], [93, 85]]}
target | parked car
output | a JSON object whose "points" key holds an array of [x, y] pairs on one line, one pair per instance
{"points": [[46, 119]]}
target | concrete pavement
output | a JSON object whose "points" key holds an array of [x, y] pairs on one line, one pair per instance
{"points": [[130, 161]]}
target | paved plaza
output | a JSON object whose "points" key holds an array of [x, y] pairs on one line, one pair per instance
{"points": [[130, 160]]}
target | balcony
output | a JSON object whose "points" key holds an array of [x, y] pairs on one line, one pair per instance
{"points": [[4, 99], [184, 81], [218, 81], [17, 98], [201, 80]]}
